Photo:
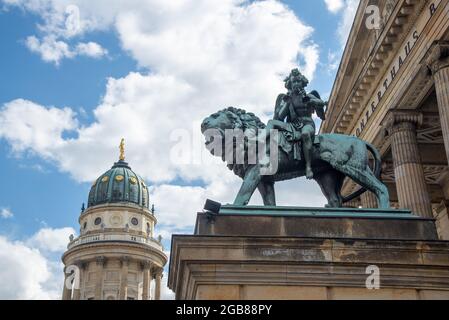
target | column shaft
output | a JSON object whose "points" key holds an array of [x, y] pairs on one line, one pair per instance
{"points": [[76, 294], [124, 279], [66, 292], [442, 88], [146, 281], [369, 200], [99, 278], [408, 170], [437, 60], [157, 295]]}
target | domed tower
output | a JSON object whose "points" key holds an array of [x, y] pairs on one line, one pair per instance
{"points": [[115, 256]]}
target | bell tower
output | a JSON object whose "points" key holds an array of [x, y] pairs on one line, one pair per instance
{"points": [[116, 256]]}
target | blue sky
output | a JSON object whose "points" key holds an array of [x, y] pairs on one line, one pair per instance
{"points": [[72, 93]]}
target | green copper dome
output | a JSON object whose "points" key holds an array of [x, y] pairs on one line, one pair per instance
{"points": [[119, 184]]}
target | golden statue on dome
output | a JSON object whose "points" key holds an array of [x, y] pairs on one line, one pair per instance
{"points": [[122, 150]]}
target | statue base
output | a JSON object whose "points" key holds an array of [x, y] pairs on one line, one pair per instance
{"points": [[316, 223], [246, 253]]}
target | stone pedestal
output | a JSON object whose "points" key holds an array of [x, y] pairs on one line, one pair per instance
{"points": [[294, 253]]}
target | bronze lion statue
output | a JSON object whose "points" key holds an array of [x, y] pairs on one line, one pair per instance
{"points": [[335, 157]]}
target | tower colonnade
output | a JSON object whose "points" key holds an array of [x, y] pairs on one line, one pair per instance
{"points": [[116, 255]]}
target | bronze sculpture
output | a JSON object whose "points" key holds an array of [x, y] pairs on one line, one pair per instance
{"points": [[296, 107], [329, 160]]}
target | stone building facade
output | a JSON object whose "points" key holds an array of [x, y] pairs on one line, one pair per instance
{"points": [[392, 90], [116, 256]]}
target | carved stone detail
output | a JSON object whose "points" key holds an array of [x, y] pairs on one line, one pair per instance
{"points": [[437, 57]]}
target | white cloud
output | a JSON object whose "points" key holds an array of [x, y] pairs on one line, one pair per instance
{"points": [[334, 6], [91, 49], [49, 49], [347, 20], [29, 126], [52, 50], [25, 273], [31, 269], [6, 213], [51, 240], [222, 53], [333, 61], [166, 293], [347, 12]]}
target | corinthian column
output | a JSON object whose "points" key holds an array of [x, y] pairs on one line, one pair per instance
{"points": [[66, 292], [437, 59], [408, 170], [157, 294], [99, 278], [146, 266], [77, 285], [124, 278]]}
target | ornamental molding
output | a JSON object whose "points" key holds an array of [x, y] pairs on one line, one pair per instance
{"points": [[432, 173], [408, 20], [437, 57], [398, 117], [399, 26]]}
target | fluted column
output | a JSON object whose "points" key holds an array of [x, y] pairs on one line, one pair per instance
{"points": [[352, 204], [157, 293], [146, 266], [369, 200], [437, 60], [66, 291], [99, 278], [124, 278], [77, 285], [408, 170]]}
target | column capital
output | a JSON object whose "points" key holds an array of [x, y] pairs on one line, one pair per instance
{"points": [[80, 264], [403, 119], [124, 260], [146, 265], [157, 272], [101, 260], [437, 57]]}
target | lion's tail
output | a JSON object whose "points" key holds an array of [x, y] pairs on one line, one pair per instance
{"points": [[377, 172]]}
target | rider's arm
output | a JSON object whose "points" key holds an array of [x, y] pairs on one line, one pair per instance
{"points": [[321, 113], [318, 105]]}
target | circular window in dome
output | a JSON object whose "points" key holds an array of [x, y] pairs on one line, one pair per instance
{"points": [[97, 221], [133, 180], [135, 221], [105, 179], [119, 178]]}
